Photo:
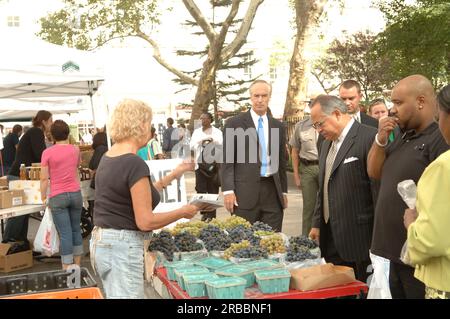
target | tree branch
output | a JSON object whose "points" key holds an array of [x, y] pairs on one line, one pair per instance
{"points": [[106, 41], [157, 55], [201, 20], [226, 24], [241, 36]]}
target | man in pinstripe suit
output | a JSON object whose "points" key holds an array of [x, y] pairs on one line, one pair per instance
{"points": [[343, 217]]}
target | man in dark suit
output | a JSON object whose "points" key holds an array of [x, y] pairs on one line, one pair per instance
{"points": [[350, 93], [343, 217], [253, 172]]}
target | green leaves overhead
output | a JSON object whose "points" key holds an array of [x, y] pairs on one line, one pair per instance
{"points": [[91, 23], [356, 58], [417, 39]]}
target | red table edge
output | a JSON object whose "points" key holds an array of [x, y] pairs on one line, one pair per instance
{"points": [[352, 289]]}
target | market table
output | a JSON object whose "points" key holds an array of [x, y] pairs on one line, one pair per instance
{"points": [[354, 289], [19, 211]]}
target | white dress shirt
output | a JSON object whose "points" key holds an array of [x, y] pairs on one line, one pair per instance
{"points": [[200, 135], [357, 116], [344, 133]]}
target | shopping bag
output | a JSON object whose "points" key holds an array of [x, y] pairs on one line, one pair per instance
{"points": [[379, 284], [47, 240]]}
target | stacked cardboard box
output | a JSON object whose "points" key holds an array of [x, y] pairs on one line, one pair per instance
{"points": [[32, 190]]}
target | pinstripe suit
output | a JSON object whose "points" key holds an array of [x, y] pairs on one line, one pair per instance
{"points": [[350, 197]]}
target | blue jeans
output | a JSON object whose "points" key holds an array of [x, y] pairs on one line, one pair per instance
{"points": [[66, 213], [118, 258]]}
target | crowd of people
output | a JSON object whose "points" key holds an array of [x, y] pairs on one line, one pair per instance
{"points": [[347, 164]]}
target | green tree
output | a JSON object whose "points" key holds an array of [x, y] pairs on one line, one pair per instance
{"points": [[86, 24], [227, 88], [356, 57], [417, 39]]}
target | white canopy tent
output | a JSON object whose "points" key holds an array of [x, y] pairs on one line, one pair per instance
{"points": [[35, 75]]}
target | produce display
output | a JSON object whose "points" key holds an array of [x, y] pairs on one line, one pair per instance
{"points": [[274, 244], [260, 226], [186, 241], [235, 238], [240, 233], [304, 241], [214, 238], [234, 221], [299, 249], [191, 227], [163, 242]]}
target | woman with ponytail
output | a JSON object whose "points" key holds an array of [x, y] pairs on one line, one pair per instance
{"points": [[29, 151]]}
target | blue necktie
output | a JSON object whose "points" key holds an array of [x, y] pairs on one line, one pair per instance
{"points": [[262, 144]]}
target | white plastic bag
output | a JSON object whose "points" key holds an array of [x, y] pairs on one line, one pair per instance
{"points": [[379, 284], [408, 191], [47, 239]]}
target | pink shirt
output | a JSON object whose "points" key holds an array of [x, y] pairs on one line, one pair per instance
{"points": [[62, 161]]}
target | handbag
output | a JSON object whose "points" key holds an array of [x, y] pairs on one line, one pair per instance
{"points": [[47, 239]]}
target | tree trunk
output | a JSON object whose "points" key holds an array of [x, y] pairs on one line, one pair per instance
{"points": [[307, 14], [218, 53], [205, 89]]}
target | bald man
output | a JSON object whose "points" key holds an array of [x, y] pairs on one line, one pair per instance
{"points": [[416, 144]]}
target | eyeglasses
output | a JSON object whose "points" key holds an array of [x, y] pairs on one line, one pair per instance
{"points": [[319, 124]]}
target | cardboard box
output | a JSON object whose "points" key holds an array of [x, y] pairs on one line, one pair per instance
{"points": [[5, 199], [10, 198], [4, 181], [32, 191], [17, 261], [321, 276], [18, 197]]}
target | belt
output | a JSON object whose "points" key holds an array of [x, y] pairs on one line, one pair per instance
{"points": [[308, 162], [265, 178]]}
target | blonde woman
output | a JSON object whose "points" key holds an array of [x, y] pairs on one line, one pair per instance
{"points": [[124, 201]]}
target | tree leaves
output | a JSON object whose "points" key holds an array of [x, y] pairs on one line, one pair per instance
{"points": [[356, 58], [417, 39]]}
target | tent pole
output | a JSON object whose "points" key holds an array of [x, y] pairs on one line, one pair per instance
{"points": [[90, 84], [108, 139]]}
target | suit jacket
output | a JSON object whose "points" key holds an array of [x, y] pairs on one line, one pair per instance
{"points": [[351, 205], [368, 120], [244, 178]]}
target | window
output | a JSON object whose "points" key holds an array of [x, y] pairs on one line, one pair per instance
{"points": [[13, 21], [273, 73], [248, 67]]}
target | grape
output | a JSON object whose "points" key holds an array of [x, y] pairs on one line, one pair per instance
{"points": [[234, 247], [163, 242], [214, 238], [273, 244], [191, 227], [299, 249], [234, 221], [250, 252], [260, 226], [240, 233], [186, 242], [303, 241]]}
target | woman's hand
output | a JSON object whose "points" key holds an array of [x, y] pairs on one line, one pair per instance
{"points": [[184, 167], [409, 217], [190, 210]]}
